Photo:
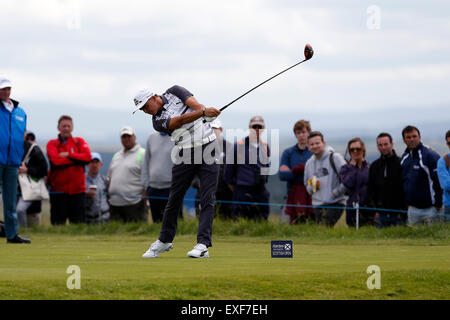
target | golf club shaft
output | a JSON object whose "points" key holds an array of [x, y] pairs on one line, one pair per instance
{"points": [[259, 85]]}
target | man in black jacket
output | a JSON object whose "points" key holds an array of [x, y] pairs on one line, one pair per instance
{"points": [[386, 186], [36, 167], [245, 176]]}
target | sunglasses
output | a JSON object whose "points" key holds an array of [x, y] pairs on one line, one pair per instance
{"points": [[355, 150], [257, 127]]}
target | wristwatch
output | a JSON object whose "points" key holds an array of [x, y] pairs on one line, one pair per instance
{"points": [[204, 109]]}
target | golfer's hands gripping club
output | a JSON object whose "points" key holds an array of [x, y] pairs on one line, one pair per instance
{"points": [[211, 114]]}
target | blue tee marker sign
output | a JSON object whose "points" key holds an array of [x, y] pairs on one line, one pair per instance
{"points": [[282, 249]]}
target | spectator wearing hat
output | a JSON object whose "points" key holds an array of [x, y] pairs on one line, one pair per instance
{"points": [[13, 120], [224, 195], [157, 173], [126, 192], [245, 176], [68, 157], [292, 169], [97, 207], [178, 113]]}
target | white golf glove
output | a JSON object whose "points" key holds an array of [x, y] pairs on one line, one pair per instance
{"points": [[209, 119]]}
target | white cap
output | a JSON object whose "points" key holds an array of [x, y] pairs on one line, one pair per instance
{"points": [[5, 83], [216, 124], [96, 155], [127, 130], [141, 98]]}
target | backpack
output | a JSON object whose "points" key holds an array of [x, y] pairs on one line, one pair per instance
{"points": [[333, 165]]}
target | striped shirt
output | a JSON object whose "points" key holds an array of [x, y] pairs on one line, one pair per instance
{"points": [[195, 133]]}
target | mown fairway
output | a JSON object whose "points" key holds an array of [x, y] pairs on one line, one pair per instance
{"points": [[327, 263]]}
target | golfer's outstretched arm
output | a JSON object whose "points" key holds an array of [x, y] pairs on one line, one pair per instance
{"points": [[192, 103]]}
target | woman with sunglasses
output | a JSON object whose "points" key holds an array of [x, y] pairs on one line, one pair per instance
{"points": [[355, 177]]}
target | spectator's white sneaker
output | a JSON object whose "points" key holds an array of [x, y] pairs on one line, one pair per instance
{"points": [[199, 251], [157, 248]]}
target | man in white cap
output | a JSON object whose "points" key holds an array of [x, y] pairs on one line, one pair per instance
{"points": [[127, 202], [13, 122], [180, 115]]}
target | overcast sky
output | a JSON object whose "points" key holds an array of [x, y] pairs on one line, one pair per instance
{"points": [[377, 65]]}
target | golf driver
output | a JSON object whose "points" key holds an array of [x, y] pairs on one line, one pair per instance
{"points": [[309, 52]]}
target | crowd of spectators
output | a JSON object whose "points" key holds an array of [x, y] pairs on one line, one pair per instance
{"points": [[322, 184]]}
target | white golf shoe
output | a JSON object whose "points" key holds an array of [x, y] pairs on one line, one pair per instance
{"points": [[157, 248], [199, 251]]}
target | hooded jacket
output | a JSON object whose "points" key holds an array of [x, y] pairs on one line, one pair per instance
{"points": [[420, 180], [12, 130], [331, 189]]}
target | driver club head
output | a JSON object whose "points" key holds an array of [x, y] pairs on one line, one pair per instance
{"points": [[309, 52]]}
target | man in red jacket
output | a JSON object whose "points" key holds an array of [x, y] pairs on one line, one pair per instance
{"points": [[67, 156]]}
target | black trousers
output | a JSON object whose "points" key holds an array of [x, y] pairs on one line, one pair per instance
{"points": [[157, 206], [329, 216], [256, 194], [182, 176], [64, 206], [133, 213]]}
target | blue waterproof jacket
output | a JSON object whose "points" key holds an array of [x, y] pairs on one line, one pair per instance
{"points": [[12, 129], [444, 179], [420, 179]]}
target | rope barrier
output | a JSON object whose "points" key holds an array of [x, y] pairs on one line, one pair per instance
{"points": [[255, 203]]}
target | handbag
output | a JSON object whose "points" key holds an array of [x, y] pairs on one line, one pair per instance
{"points": [[32, 189]]}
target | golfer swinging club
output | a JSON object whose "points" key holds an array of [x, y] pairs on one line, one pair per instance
{"points": [[180, 115]]}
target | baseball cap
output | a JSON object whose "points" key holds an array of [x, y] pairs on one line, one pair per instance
{"points": [[216, 124], [127, 130], [257, 120], [141, 98], [96, 155], [5, 83]]}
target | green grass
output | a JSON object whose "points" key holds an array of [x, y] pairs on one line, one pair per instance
{"points": [[327, 263]]}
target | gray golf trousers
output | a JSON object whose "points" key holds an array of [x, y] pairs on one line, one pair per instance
{"points": [[182, 176]]}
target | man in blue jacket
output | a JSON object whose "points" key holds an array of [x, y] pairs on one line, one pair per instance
{"points": [[13, 120], [423, 193], [444, 177], [292, 168]]}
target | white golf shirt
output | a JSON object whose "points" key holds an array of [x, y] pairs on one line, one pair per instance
{"points": [[189, 135]]}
